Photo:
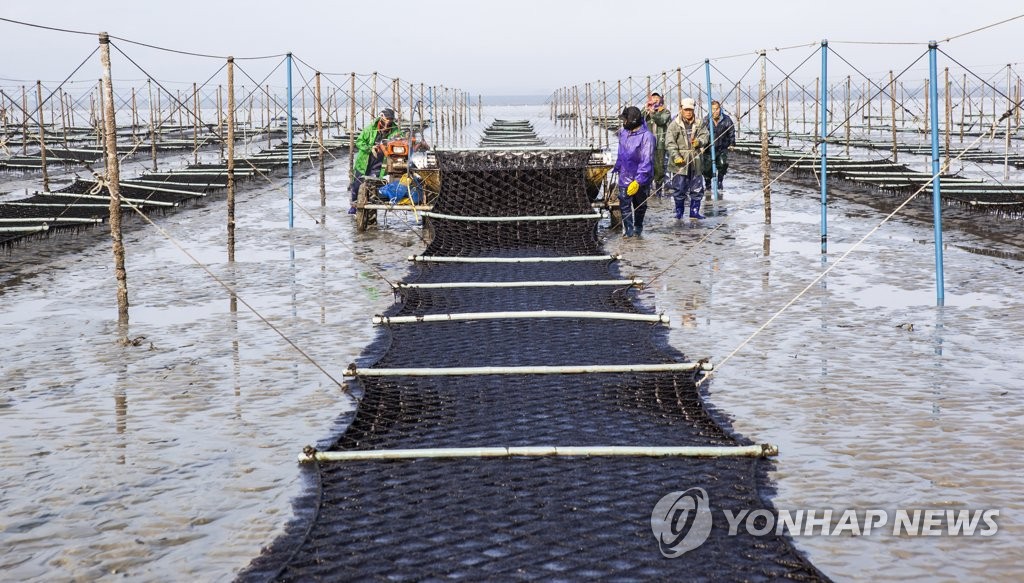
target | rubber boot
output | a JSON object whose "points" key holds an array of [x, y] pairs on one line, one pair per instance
{"points": [[720, 183], [695, 209], [639, 230], [680, 208]]}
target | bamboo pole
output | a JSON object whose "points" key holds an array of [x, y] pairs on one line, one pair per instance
{"points": [[352, 371], [423, 121], [220, 117], [927, 105], [319, 116], [785, 110], [230, 121], [42, 135], [803, 108], [351, 123], [892, 113], [589, 130], [846, 124], [817, 104], [373, 102], [508, 284], [24, 121], [604, 113], [523, 315], [113, 183], [1009, 117], [679, 85], [963, 107], [135, 116], [948, 117], [739, 108], [195, 122], [459, 259], [152, 122], [757, 450], [762, 116], [270, 115]]}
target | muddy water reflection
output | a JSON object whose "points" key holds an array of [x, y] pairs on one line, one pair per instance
{"points": [[174, 459], [869, 411]]}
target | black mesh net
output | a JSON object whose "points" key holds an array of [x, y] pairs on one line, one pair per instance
{"points": [[577, 518], [513, 183]]}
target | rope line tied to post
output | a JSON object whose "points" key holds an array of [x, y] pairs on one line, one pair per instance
{"points": [[101, 183]]}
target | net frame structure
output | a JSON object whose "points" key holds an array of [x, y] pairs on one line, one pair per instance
{"points": [[455, 476]]}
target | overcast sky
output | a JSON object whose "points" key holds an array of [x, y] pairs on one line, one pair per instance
{"points": [[495, 47]]}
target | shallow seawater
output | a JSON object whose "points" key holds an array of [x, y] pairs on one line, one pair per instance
{"points": [[175, 459]]}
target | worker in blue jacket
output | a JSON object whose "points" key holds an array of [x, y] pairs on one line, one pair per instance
{"points": [[635, 168]]}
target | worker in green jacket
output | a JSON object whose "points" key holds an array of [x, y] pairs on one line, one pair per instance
{"points": [[657, 117], [369, 158]]}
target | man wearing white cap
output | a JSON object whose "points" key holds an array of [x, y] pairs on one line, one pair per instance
{"points": [[687, 137]]}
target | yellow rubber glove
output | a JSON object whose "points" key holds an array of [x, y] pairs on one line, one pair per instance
{"points": [[678, 160], [633, 188], [695, 142]]}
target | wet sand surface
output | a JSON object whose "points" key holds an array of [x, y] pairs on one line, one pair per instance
{"points": [[175, 459]]}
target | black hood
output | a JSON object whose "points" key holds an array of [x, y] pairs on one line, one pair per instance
{"points": [[631, 118]]}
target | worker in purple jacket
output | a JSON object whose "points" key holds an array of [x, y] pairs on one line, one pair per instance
{"points": [[635, 168]]}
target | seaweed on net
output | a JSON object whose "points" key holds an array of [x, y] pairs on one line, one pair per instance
{"points": [[521, 518]]}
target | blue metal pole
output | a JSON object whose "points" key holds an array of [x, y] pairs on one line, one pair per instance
{"points": [[291, 169], [711, 129], [940, 292], [824, 146]]}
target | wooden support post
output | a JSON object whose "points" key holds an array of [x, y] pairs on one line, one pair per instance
{"points": [[230, 121], [319, 116], [113, 183], [42, 135], [762, 116]]}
